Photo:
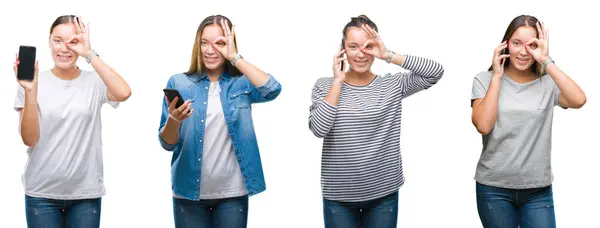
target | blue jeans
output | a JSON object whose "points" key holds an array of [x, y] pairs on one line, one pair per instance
{"points": [[226, 213], [380, 213], [51, 213], [508, 208]]}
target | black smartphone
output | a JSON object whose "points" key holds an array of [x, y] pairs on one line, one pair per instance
{"points": [[171, 94], [342, 56], [26, 68]]}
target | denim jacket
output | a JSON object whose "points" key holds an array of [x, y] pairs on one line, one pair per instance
{"points": [[237, 95]]}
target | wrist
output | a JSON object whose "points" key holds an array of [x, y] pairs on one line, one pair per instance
{"points": [[388, 56], [545, 62], [233, 59], [90, 55], [32, 89], [174, 119], [338, 81]]}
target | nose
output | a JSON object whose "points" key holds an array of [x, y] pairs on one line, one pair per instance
{"points": [[523, 51], [63, 47], [361, 54], [210, 50]]}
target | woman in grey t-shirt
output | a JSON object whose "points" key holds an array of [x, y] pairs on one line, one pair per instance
{"points": [[61, 125], [512, 108]]}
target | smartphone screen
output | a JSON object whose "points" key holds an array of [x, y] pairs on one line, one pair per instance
{"points": [[171, 94], [26, 67]]}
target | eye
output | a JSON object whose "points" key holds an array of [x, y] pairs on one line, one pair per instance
{"points": [[57, 41], [352, 46], [533, 45], [516, 43], [221, 44]]}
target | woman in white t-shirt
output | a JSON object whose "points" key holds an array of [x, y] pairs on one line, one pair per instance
{"points": [[60, 123]]}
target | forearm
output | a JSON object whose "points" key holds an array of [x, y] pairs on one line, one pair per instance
{"points": [[256, 76], [396, 59], [117, 88], [486, 112], [170, 132], [333, 96], [569, 90], [30, 124]]}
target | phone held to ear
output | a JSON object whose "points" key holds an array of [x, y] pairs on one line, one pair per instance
{"points": [[342, 56], [26, 67], [171, 94], [342, 63]]}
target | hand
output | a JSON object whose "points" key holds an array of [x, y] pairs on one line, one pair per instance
{"points": [[80, 43], [374, 45], [225, 45], [183, 112], [27, 85], [499, 59], [339, 75], [538, 48]]}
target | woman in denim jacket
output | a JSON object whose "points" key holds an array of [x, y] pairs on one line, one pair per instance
{"points": [[216, 163]]}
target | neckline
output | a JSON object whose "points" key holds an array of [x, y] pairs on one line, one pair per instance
{"points": [[509, 79], [67, 81], [362, 86]]}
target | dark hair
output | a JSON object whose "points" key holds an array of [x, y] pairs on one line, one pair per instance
{"points": [[358, 22], [523, 20], [64, 19], [196, 65]]}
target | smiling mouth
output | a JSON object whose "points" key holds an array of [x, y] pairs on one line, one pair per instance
{"points": [[523, 60], [211, 59], [361, 62], [65, 57]]}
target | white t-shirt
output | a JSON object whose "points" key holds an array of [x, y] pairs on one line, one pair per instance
{"points": [[66, 162], [221, 175]]}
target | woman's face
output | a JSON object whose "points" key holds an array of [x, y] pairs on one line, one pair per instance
{"points": [[519, 58], [359, 61], [211, 58], [63, 56]]}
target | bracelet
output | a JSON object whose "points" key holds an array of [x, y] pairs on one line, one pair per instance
{"points": [[173, 118], [91, 56], [390, 56], [547, 62], [235, 59]]}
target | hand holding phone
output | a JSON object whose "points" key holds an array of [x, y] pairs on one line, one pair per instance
{"points": [[179, 111], [26, 63], [499, 60], [339, 73], [172, 94], [26, 67]]}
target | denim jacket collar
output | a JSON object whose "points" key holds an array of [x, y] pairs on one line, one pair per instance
{"points": [[196, 77]]}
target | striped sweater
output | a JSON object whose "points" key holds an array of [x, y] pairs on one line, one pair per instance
{"points": [[361, 147]]}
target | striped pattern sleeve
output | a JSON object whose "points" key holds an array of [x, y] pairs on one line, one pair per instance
{"points": [[322, 114], [423, 73]]}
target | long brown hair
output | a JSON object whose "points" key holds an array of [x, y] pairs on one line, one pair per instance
{"points": [[196, 65], [516, 23]]}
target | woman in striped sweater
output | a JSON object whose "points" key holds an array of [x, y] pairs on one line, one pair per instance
{"points": [[358, 114]]}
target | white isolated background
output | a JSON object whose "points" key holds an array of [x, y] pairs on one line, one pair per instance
{"points": [[147, 42]]}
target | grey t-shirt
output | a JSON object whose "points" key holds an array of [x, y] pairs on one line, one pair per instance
{"points": [[66, 162], [516, 153]]}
